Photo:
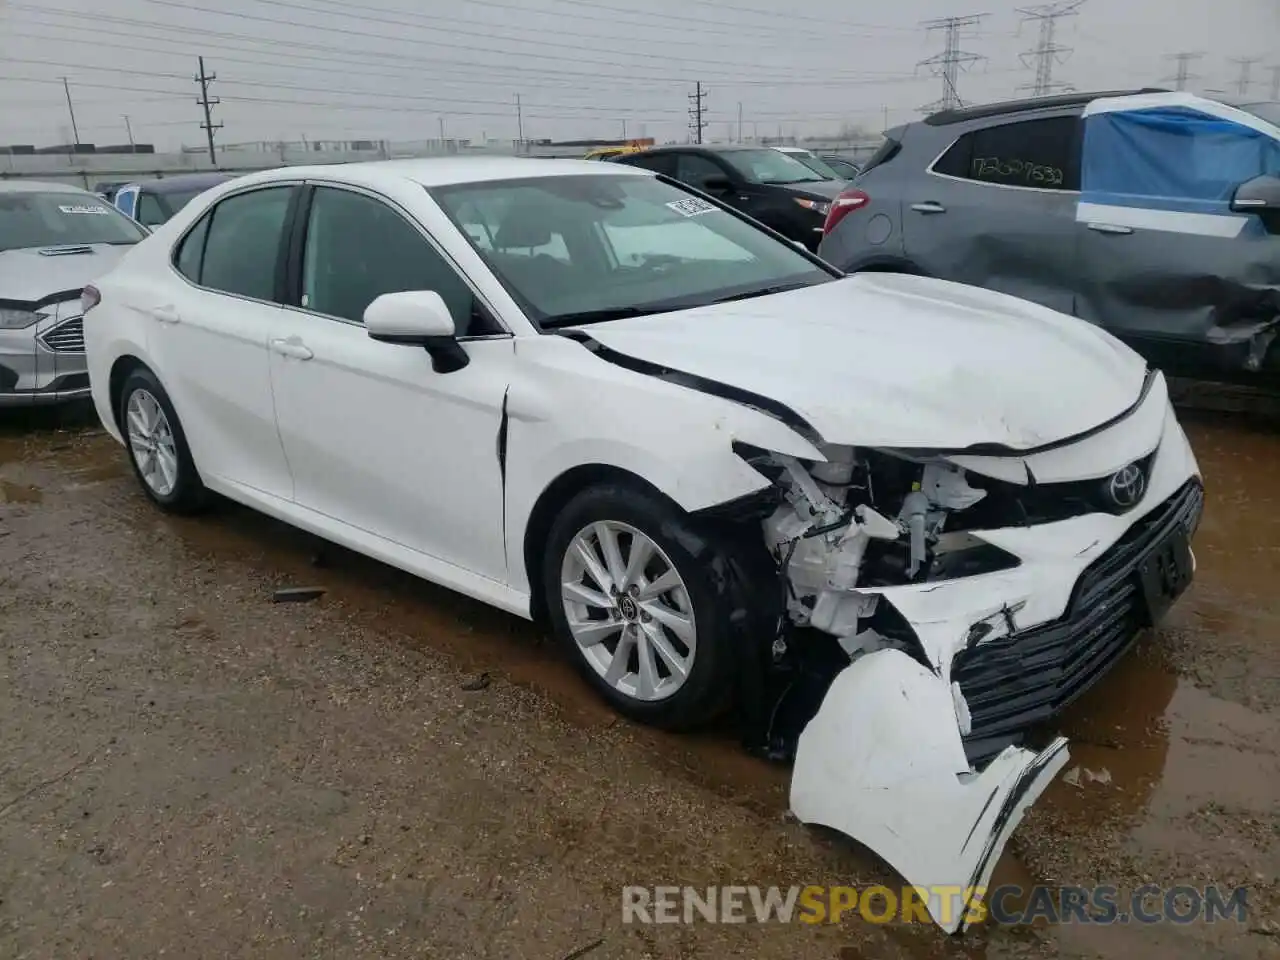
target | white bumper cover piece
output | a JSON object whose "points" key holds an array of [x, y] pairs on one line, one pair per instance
{"points": [[883, 760], [883, 763]]}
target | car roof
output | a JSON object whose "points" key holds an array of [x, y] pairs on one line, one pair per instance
{"points": [[445, 171], [985, 110], [183, 181], [40, 186]]}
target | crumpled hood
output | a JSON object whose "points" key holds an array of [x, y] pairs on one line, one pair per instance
{"points": [[898, 361], [28, 276]]}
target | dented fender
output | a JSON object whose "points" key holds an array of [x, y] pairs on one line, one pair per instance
{"points": [[883, 762]]}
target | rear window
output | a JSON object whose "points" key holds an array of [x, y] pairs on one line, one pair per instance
{"points": [[886, 152], [58, 218]]}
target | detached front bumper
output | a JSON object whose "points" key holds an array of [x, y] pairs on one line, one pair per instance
{"points": [[916, 749]]}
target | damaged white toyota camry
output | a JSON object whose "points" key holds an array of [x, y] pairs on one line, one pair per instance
{"points": [[895, 523]]}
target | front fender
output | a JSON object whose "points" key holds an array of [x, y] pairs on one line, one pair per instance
{"points": [[883, 762], [567, 408]]}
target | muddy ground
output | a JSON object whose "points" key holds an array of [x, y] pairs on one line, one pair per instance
{"points": [[189, 770]]}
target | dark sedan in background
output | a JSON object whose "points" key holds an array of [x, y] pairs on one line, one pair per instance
{"points": [[766, 184]]}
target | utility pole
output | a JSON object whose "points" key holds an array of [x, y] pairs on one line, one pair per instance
{"points": [[441, 119], [739, 121], [75, 132], [519, 121], [204, 79], [1246, 68], [128, 129], [1275, 82], [697, 106], [1184, 74], [624, 128], [951, 60], [1047, 51]]}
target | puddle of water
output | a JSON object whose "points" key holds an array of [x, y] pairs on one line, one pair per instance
{"points": [[11, 492]]}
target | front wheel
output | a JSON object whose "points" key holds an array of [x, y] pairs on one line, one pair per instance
{"points": [[157, 446], [642, 601]]}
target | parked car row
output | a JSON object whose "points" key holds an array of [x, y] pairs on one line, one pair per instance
{"points": [[721, 469]]}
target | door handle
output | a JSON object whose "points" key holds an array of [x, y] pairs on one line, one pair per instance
{"points": [[165, 314], [929, 206], [1113, 228], [293, 347]]}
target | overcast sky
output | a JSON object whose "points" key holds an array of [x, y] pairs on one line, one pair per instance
{"points": [[395, 69]]}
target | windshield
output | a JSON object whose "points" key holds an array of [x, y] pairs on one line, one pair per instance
{"points": [[817, 165], [771, 166], [175, 200], [580, 249], [56, 219]]}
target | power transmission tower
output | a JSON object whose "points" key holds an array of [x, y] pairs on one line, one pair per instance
{"points": [[1246, 69], [1048, 51], [1183, 75], [697, 106], [951, 60], [208, 126]]}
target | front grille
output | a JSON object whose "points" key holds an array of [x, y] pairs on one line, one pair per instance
{"points": [[66, 337], [1018, 681]]}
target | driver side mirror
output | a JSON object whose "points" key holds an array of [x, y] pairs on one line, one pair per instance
{"points": [[1259, 195], [418, 318]]}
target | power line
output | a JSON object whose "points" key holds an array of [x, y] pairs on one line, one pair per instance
{"points": [[697, 101], [1048, 51], [1243, 80], [749, 76], [951, 60], [75, 132], [1184, 74], [208, 126]]}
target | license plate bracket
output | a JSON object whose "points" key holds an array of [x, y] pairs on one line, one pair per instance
{"points": [[1165, 574]]}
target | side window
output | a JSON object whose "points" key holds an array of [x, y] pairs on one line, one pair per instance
{"points": [[126, 200], [191, 253], [149, 212], [1032, 153], [358, 248], [695, 170], [659, 162], [243, 243]]}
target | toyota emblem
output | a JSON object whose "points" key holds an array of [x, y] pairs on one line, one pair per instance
{"points": [[1126, 486]]}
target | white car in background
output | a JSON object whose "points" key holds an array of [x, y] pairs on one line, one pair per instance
{"points": [[54, 239], [519, 379]]}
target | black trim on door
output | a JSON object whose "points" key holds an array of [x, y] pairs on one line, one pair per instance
{"points": [[289, 264]]}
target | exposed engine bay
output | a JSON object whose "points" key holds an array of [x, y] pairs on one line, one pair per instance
{"points": [[879, 553]]}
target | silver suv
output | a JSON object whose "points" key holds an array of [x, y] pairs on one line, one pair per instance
{"points": [[54, 239], [1151, 213]]}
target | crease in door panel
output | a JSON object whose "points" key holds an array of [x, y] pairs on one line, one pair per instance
{"points": [[503, 429]]}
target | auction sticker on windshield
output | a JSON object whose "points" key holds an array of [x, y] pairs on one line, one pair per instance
{"points": [[692, 207], [82, 208]]}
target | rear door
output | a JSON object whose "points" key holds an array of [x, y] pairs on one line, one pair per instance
{"points": [[997, 210], [212, 317]]}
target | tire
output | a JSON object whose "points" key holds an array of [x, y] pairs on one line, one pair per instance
{"points": [[705, 568], [146, 415]]}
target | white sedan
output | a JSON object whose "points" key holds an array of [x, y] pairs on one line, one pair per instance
{"points": [[721, 471]]}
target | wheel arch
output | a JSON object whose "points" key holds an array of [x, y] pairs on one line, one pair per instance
{"points": [[123, 365], [887, 264], [553, 498]]}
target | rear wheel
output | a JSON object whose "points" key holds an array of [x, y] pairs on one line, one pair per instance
{"points": [[157, 446], [640, 599]]}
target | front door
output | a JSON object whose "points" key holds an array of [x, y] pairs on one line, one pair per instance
{"points": [[375, 437]]}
